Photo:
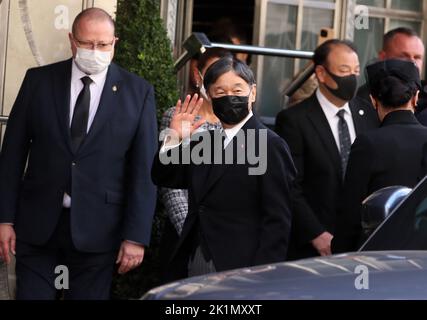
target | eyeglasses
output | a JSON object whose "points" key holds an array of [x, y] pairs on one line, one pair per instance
{"points": [[103, 46]]}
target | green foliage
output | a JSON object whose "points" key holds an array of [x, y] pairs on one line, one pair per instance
{"points": [[145, 49]]}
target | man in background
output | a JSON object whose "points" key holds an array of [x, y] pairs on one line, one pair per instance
{"points": [[403, 43], [319, 132]]}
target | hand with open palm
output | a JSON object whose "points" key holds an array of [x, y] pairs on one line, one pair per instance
{"points": [[183, 120]]}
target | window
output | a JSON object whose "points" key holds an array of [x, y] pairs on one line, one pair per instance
{"points": [[287, 24], [294, 24], [411, 5], [276, 71]]}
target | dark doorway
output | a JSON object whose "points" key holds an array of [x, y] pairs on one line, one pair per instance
{"points": [[207, 14]]}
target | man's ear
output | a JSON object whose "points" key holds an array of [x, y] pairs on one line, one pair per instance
{"points": [[320, 73], [72, 44], [70, 37], [382, 55], [252, 98], [415, 99], [374, 103]]}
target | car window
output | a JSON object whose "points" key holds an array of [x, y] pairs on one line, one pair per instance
{"points": [[406, 227]]}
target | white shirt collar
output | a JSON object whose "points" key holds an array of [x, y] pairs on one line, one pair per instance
{"points": [[328, 107], [330, 111], [231, 132], [77, 74]]}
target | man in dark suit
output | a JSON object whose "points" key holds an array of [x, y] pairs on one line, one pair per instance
{"points": [[403, 43], [388, 156], [87, 131], [235, 218], [319, 132]]}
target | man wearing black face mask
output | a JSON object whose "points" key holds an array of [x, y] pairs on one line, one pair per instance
{"points": [[237, 216], [231, 109], [319, 132]]}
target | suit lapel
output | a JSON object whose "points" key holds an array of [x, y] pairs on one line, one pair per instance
{"points": [[321, 124], [109, 101], [62, 86], [200, 177], [205, 175], [215, 172]]}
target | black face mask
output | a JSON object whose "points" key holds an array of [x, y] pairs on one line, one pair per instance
{"points": [[347, 86], [231, 109]]}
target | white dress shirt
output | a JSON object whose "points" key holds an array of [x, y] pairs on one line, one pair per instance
{"points": [[231, 132], [96, 88], [330, 111]]}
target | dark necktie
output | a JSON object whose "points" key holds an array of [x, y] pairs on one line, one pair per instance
{"points": [[81, 115], [345, 140]]}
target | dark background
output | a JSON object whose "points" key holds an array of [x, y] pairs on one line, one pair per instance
{"points": [[241, 12]]}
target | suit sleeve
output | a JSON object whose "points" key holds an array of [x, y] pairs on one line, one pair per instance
{"points": [[168, 171], [356, 188], [13, 157], [142, 194], [306, 225], [276, 184]]}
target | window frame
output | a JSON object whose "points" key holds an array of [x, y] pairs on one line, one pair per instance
{"points": [[260, 25]]}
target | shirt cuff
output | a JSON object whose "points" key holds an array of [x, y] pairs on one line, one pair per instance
{"points": [[168, 145], [171, 141], [134, 242]]}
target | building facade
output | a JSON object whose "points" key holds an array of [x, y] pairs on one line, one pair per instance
{"points": [[34, 32], [296, 24]]}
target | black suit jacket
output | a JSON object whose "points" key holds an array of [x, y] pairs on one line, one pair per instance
{"points": [[113, 197], [319, 182], [244, 219], [388, 156]]}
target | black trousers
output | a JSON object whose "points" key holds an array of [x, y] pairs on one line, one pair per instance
{"points": [[42, 272]]}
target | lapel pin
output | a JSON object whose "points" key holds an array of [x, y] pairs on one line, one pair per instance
{"points": [[114, 88], [361, 112]]}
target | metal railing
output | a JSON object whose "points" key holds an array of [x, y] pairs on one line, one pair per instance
{"points": [[198, 43]]}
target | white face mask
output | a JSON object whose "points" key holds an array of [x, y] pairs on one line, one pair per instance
{"points": [[92, 61]]}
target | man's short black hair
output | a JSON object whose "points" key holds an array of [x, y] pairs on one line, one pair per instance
{"points": [[322, 52], [224, 65], [388, 37]]}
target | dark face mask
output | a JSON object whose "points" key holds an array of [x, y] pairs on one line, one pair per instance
{"points": [[231, 109], [347, 86]]}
